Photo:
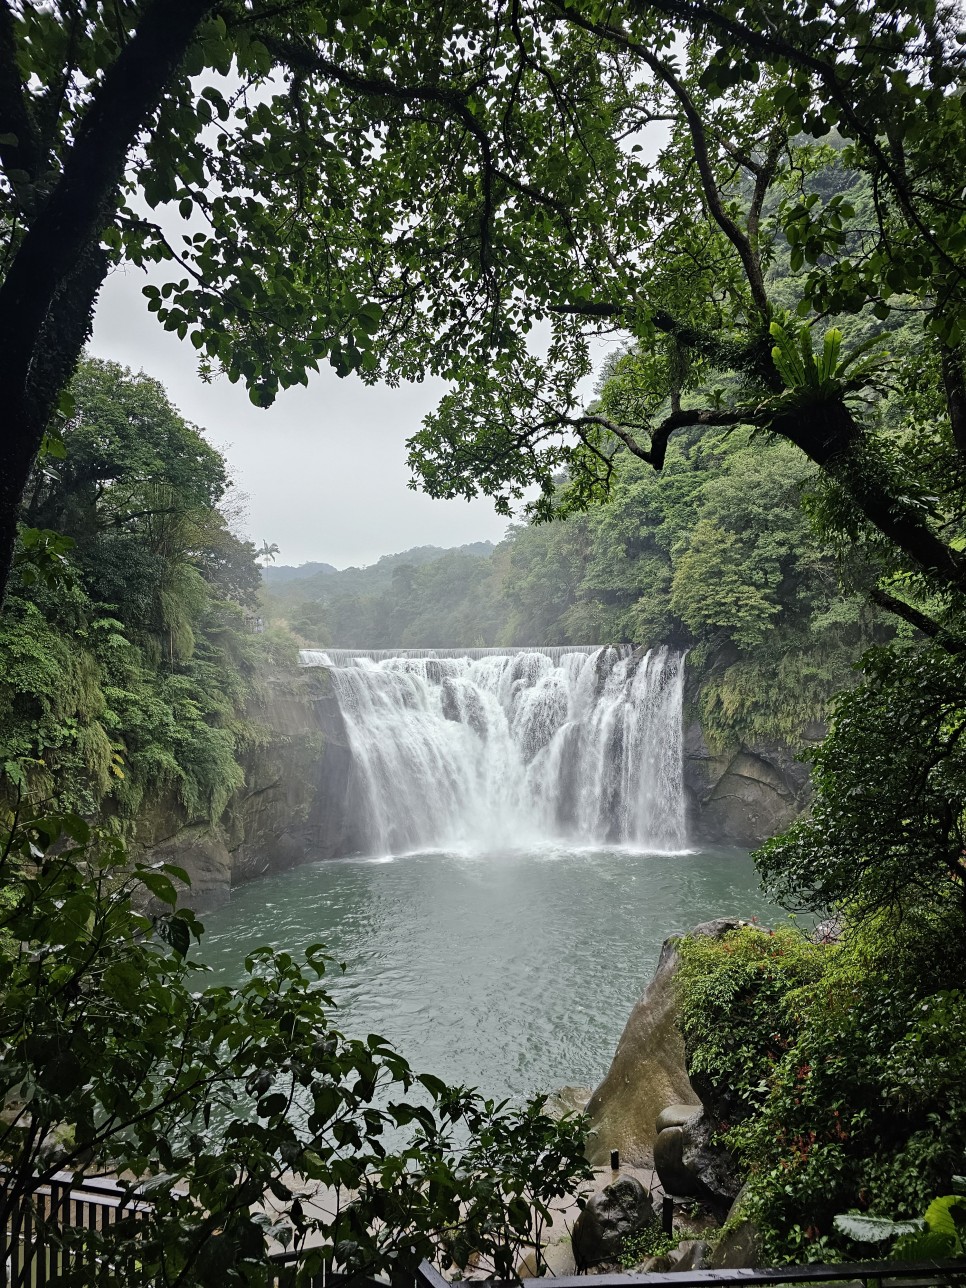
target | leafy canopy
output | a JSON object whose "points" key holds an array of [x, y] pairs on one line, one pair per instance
{"points": [[408, 188]]}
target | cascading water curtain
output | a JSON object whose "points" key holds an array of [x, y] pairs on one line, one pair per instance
{"points": [[489, 749]]}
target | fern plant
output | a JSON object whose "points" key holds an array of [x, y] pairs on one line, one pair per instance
{"points": [[810, 378]]}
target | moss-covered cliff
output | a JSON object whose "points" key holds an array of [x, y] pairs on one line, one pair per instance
{"points": [[294, 806]]}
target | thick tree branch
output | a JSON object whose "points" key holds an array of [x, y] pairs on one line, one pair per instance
{"points": [[660, 435], [699, 143], [593, 309], [829, 435], [916, 618], [764, 173]]}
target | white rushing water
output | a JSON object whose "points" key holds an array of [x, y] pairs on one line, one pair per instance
{"points": [[505, 748]]}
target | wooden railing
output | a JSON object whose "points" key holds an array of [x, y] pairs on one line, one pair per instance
{"points": [[62, 1205]]}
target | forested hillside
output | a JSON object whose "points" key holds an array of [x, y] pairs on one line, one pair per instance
{"points": [[125, 657], [717, 555]]}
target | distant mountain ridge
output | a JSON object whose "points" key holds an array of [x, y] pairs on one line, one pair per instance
{"points": [[311, 581], [273, 576]]}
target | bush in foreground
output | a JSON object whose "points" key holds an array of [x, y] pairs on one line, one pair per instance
{"points": [[117, 1057], [847, 1065]]}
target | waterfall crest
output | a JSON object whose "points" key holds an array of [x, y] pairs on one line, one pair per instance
{"points": [[498, 748]]}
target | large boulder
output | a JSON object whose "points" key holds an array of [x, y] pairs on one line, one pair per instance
{"points": [[668, 1149], [647, 1073], [613, 1215], [669, 1165], [692, 1254], [673, 1116], [712, 1168]]}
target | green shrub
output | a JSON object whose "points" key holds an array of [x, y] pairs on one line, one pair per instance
{"points": [[126, 665], [116, 1058], [866, 1109], [743, 998], [652, 1242], [838, 1074]]}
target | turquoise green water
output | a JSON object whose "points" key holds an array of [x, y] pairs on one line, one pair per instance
{"points": [[511, 972]]}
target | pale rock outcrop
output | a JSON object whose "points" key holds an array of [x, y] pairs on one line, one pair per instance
{"points": [[647, 1074]]}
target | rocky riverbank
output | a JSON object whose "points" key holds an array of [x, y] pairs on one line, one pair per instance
{"points": [[648, 1112]]}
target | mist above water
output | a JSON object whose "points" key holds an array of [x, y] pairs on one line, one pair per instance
{"points": [[487, 748]]}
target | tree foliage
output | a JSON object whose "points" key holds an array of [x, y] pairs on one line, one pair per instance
{"points": [[127, 672], [226, 1109], [741, 1010], [410, 188], [887, 829], [842, 1079]]}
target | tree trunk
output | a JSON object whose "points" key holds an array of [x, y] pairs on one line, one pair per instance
{"points": [[47, 298], [828, 434], [955, 388]]}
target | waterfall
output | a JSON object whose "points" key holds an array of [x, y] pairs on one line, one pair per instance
{"points": [[498, 748]]}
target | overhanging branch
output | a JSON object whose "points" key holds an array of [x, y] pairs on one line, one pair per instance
{"points": [[927, 625], [699, 143], [660, 435]]}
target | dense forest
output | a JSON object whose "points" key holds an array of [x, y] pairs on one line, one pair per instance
{"points": [[760, 202], [126, 661]]}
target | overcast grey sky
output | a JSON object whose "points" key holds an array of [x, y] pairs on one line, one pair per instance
{"points": [[324, 469]]}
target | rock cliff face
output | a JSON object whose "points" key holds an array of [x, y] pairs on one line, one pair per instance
{"points": [[743, 796], [296, 805], [300, 801]]}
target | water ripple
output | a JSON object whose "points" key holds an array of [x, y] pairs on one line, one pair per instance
{"points": [[514, 972]]}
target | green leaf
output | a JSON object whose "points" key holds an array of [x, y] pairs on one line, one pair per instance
{"points": [[873, 1229], [947, 1216], [177, 932], [159, 885], [924, 1245], [828, 364]]}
